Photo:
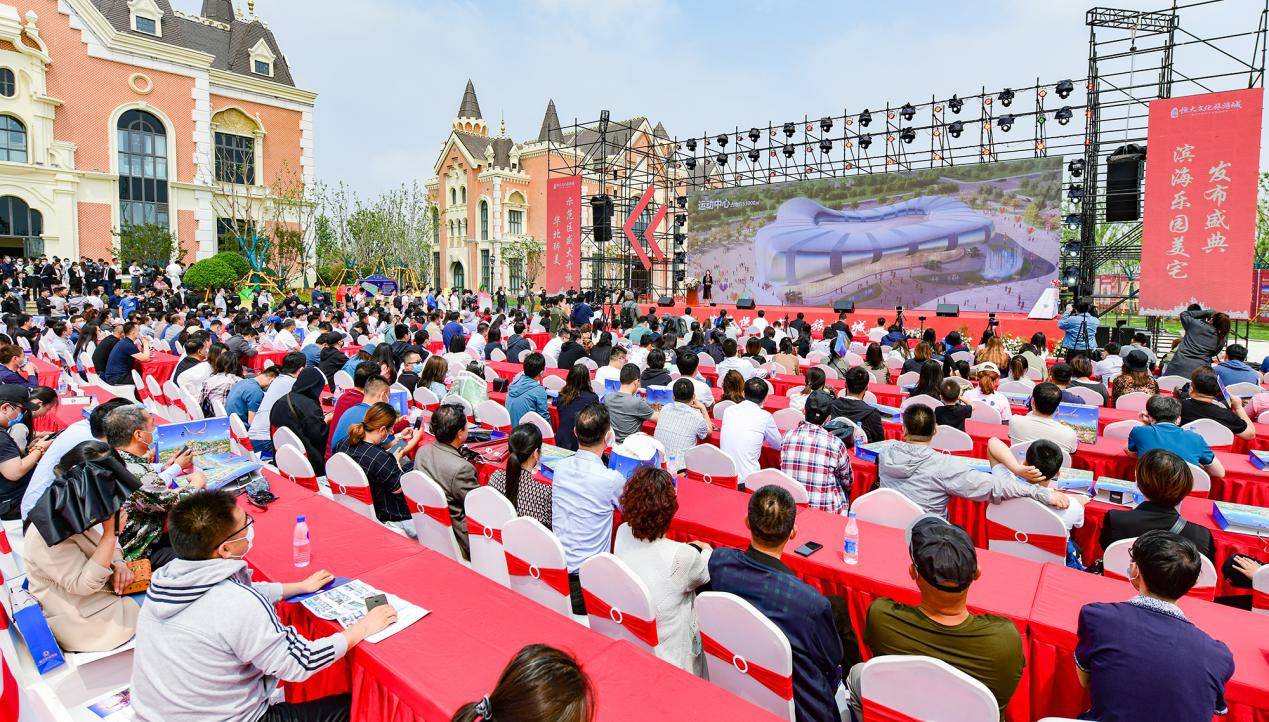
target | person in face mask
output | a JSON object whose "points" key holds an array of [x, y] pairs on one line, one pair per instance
{"points": [[411, 368], [209, 642], [16, 466]]}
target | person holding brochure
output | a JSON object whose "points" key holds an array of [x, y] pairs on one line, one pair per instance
{"points": [[209, 642]]}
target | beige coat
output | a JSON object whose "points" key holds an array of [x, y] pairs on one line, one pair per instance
{"points": [[82, 610]]}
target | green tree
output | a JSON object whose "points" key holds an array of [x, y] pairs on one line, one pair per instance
{"points": [[1262, 222], [235, 261], [210, 273], [148, 243]]}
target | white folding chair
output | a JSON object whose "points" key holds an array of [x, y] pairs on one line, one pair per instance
{"points": [[1036, 374], [1244, 388], [947, 438], [293, 465], [794, 391], [487, 511], [553, 383], [1172, 383], [494, 415], [965, 356], [1015, 387], [285, 437], [1120, 429], [815, 357], [924, 399], [894, 362], [589, 363], [1135, 401], [349, 486], [618, 603], [738, 639], [720, 408], [597, 386], [708, 463], [984, 413], [1087, 396], [1202, 481], [1028, 529], [1263, 418], [456, 400], [429, 510], [1019, 452], [425, 399], [1260, 590], [1116, 558], [706, 360], [533, 417], [829, 371], [239, 441], [176, 408], [1212, 432], [907, 378], [886, 507], [775, 477], [218, 407], [191, 406], [788, 419], [946, 693], [535, 564], [343, 379]]}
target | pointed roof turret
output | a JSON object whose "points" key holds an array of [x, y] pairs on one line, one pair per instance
{"points": [[550, 125], [219, 10], [659, 132], [469, 108]]}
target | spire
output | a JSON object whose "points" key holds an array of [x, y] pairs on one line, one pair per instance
{"points": [[469, 108], [659, 132], [219, 10], [550, 125], [502, 129]]}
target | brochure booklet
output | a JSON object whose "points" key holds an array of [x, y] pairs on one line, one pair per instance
{"points": [[115, 706], [346, 604]]}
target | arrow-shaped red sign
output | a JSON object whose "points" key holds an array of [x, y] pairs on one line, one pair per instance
{"points": [[628, 227], [650, 232]]}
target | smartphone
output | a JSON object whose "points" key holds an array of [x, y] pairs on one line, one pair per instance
{"points": [[418, 423], [808, 549], [375, 600]]}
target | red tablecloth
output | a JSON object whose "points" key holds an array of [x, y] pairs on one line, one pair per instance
{"points": [[539, 339], [414, 675], [160, 366], [1055, 689], [45, 372]]}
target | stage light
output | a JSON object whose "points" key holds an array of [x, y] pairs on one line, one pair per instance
{"points": [[753, 156], [1075, 192], [1075, 167], [603, 121], [1071, 249], [1071, 276], [753, 135], [956, 128], [865, 140], [722, 159], [680, 219], [788, 151], [1065, 88], [1073, 220], [690, 163], [722, 140], [907, 111], [1006, 122], [681, 201], [865, 118], [826, 145], [907, 135], [1063, 115], [1005, 97], [826, 124], [679, 238], [788, 130], [691, 144], [956, 104]]}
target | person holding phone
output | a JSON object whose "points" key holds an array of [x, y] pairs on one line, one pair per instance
{"points": [[209, 642]]}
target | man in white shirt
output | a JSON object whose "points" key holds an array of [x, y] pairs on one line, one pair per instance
{"points": [[1111, 366], [760, 323], [1040, 424], [732, 361], [285, 339], [259, 432], [688, 364], [174, 273], [612, 371], [878, 332], [191, 379], [746, 427], [553, 346]]}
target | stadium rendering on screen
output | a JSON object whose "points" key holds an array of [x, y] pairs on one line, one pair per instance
{"points": [[983, 236]]}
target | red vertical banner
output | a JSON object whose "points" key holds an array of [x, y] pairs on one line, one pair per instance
{"points": [[1199, 230], [563, 234]]}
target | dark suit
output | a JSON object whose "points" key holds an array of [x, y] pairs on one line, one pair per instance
{"points": [[1131, 523], [456, 476], [803, 614]]}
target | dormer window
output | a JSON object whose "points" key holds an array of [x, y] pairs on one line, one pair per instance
{"points": [[146, 17], [262, 59]]}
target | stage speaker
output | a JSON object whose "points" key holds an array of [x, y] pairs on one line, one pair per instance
{"points": [[1124, 169], [665, 301], [601, 215], [746, 304], [844, 306], [949, 310], [1103, 336]]}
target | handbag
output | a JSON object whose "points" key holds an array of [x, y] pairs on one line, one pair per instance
{"points": [[86, 495], [140, 576]]}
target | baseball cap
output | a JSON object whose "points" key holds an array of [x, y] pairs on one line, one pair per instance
{"points": [[942, 553], [987, 366], [1137, 360], [16, 395]]}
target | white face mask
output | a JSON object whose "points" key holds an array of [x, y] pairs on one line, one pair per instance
{"points": [[251, 538]]}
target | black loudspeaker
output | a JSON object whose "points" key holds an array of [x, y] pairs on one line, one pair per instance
{"points": [[1103, 336], [601, 217], [746, 304], [1124, 169], [844, 306], [950, 310], [665, 301]]}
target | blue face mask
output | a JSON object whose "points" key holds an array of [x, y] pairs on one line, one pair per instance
{"points": [[16, 420], [418, 368]]}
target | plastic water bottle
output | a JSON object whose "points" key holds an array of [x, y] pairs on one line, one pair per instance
{"points": [[61, 385], [302, 549], [850, 549]]}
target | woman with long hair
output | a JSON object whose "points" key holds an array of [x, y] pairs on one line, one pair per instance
{"points": [[875, 362], [1018, 366], [1205, 334], [87, 338], [364, 445], [540, 684], [575, 396], [816, 380], [733, 387], [1040, 343], [787, 359], [930, 379], [529, 495], [922, 353], [992, 351], [226, 371], [434, 372]]}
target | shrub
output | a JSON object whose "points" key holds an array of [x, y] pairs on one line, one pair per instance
{"points": [[210, 273], [235, 261]]}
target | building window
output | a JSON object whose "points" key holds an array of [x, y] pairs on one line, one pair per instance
{"points": [[142, 24], [12, 139], [515, 222], [235, 159], [142, 169], [436, 226], [463, 192], [453, 197], [18, 220], [8, 83], [484, 220], [264, 68], [486, 271], [515, 274], [228, 233], [457, 281], [436, 270]]}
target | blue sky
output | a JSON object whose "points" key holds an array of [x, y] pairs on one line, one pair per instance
{"points": [[695, 66]]}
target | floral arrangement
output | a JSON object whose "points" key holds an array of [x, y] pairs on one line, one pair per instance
{"points": [[1013, 344], [691, 283]]}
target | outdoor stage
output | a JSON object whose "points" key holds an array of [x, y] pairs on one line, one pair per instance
{"points": [[1011, 324]]}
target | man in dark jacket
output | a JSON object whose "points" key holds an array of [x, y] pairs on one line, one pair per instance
{"points": [[852, 405], [301, 412], [517, 342]]}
